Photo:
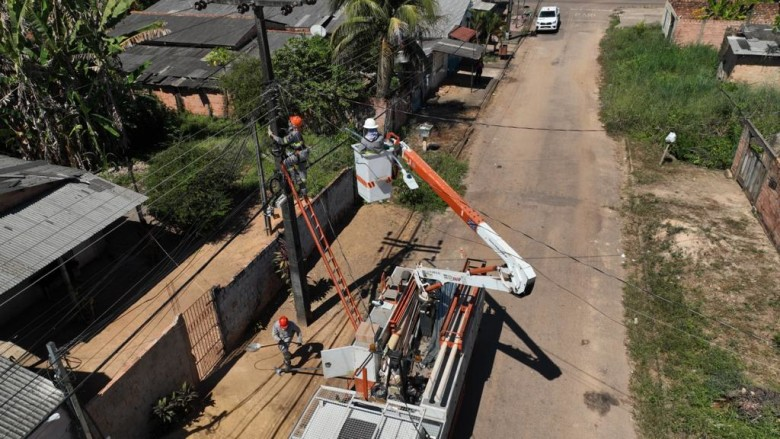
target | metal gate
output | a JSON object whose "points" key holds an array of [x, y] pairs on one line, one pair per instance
{"points": [[751, 174], [202, 323]]}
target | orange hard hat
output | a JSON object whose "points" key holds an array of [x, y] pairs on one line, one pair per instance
{"points": [[296, 121], [283, 321]]}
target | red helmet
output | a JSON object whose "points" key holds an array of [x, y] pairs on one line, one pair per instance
{"points": [[296, 121], [283, 321]]}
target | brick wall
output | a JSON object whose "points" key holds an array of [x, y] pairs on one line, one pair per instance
{"points": [[202, 103], [709, 32], [756, 75]]}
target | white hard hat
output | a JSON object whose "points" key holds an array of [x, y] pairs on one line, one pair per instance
{"points": [[370, 124]]}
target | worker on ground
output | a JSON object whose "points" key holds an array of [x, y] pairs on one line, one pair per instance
{"points": [[283, 331], [371, 140], [299, 156]]}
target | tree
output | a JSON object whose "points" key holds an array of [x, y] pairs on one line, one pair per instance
{"points": [[191, 184], [487, 24], [375, 30], [314, 87], [243, 82], [63, 96]]}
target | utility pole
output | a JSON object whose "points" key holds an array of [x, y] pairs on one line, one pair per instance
{"points": [[61, 374], [286, 204]]}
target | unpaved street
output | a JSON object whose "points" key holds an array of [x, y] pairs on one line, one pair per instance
{"points": [[553, 364]]}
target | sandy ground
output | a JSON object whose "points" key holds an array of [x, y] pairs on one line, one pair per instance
{"points": [[249, 399]]}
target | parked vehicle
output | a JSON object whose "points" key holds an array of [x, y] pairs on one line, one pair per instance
{"points": [[549, 19]]}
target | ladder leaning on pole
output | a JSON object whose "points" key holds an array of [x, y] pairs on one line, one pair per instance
{"points": [[326, 252]]}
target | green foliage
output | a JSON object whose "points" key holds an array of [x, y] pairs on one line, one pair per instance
{"points": [[651, 86], [424, 199], [190, 185], [173, 409], [322, 92], [487, 24], [679, 376], [220, 56], [330, 155], [776, 26], [196, 127], [776, 340], [243, 83], [729, 9], [373, 31], [64, 97]]}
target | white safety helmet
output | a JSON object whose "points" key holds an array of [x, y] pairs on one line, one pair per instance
{"points": [[370, 124]]}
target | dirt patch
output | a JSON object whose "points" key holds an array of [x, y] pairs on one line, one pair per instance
{"points": [[733, 265], [753, 404], [452, 126]]}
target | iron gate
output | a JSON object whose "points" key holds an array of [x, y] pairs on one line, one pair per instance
{"points": [[205, 334], [751, 174]]}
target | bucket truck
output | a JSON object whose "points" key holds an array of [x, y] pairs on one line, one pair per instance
{"points": [[407, 365]]}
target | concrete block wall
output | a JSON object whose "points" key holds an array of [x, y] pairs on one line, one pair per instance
{"points": [[240, 302], [332, 203], [123, 408]]}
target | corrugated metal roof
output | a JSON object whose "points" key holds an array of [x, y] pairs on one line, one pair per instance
{"points": [[25, 399], [453, 13], [42, 229], [170, 62], [455, 47], [191, 30]]}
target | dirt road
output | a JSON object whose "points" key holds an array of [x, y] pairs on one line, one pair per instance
{"points": [[553, 364]]}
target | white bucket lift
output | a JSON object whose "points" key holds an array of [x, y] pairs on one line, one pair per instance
{"points": [[374, 173]]}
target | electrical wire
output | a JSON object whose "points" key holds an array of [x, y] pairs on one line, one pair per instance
{"points": [[89, 326]]}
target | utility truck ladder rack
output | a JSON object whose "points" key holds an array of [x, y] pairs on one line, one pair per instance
{"points": [[326, 252]]}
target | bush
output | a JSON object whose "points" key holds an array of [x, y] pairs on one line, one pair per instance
{"points": [[190, 185], [173, 409], [424, 199]]}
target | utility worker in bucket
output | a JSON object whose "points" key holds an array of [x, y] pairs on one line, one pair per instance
{"points": [[283, 332], [371, 140], [299, 156]]}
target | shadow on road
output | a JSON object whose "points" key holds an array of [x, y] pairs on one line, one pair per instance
{"points": [[483, 357]]}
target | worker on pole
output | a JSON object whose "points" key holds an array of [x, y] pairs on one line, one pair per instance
{"points": [[283, 332], [299, 156]]}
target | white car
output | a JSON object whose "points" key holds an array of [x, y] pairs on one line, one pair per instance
{"points": [[549, 19]]}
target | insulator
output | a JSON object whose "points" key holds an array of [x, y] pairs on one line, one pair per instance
{"points": [[310, 2], [200, 5], [287, 10]]}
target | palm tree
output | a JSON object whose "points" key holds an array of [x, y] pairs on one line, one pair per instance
{"points": [[487, 24], [380, 29]]}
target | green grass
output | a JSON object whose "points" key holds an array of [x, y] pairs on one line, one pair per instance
{"points": [[683, 383], [680, 379], [651, 86], [423, 199]]}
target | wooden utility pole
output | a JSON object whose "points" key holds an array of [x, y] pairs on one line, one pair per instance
{"points": [[286, 204]]}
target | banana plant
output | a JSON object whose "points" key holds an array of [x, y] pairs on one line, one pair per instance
{"points": [[62, 92]]}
